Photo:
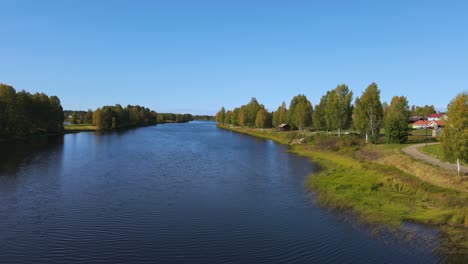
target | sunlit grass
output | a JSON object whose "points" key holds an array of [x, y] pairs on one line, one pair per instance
{"points": [[437, 152], [80, 127]]}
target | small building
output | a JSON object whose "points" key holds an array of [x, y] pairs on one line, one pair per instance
{"points": [[284, 127], [437, 124], [437, 117], [421, 124]]}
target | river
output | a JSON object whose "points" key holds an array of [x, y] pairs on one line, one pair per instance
{"points": [[176, 193]]}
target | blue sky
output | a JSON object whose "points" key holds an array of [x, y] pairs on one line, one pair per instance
{"points": [[196, 56]]}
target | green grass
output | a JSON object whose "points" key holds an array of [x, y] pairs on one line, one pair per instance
{"points": [[437, 152], [79, 127], [378, 193], [383, 194]]}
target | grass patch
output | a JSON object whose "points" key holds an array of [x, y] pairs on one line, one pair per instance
{"points": [[437, 152], [79, 127]]}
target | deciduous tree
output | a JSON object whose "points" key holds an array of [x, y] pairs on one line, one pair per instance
{"points": [[396, 121], [368, 112], [455, 133]]}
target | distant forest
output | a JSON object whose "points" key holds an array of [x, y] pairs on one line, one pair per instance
{"points": [[118, 117], [23, 114], [204, 118]]}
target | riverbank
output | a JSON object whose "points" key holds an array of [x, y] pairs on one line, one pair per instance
{"points": [[377, 182], [79, 128], [75, 128]]}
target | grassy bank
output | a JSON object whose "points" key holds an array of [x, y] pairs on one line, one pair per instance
{"points": [[79, 127], [437, 152], [377, 182]]}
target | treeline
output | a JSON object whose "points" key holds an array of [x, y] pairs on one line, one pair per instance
{"points": [[173, 118], [424, 111], [78, 117], [23, 114], [118, 117], [204, 118], [334, 112], [368, 115]]}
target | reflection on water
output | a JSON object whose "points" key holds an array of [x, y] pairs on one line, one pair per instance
{"points": [[179, 193], [13, 155]]}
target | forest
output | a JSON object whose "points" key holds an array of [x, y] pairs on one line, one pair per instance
{"points": [[118, 117], [367, 116], [23, 114]]}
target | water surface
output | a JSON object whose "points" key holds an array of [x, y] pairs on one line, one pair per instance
{"points": [[174, 193]]}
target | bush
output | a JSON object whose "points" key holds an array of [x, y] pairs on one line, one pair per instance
{"points": [[334, 143]]}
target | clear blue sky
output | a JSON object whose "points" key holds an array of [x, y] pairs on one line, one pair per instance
{"points": [[196, 56]]}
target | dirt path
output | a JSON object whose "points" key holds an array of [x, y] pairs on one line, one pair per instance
{"points": [[414, 152]]}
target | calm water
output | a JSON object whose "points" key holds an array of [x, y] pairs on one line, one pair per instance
{"points": [[186, 193]]}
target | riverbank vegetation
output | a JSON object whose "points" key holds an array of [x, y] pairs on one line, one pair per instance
{"points": [[204, 118], [23, 114], [358, 150], [437, 152], [80, 128], [377, 182], [118, 117], [455, 134], [367, 117]]}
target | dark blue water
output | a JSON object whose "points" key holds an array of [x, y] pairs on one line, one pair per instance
{"points": [[174, 193]]}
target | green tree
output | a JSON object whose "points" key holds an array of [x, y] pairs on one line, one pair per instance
{"points": [[368, 112], [88, 119], [338, 110], [23, 114], [242, 117], [303, 115], [425, 111], [7, 110], [396, 121], [455, 133], [300, 112], [228, 118], [235, 117], [220, 116], [261, 120], [74, 118], [318, 116], [280, 116], [251, 110]]}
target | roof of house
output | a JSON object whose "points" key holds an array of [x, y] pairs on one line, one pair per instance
{"points": [[439, 123], [429, 123], [422, 123], [283, 125], [436, 115]]}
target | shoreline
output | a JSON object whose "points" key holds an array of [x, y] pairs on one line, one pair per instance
{"points": [[375, 191], [69, 129]]}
